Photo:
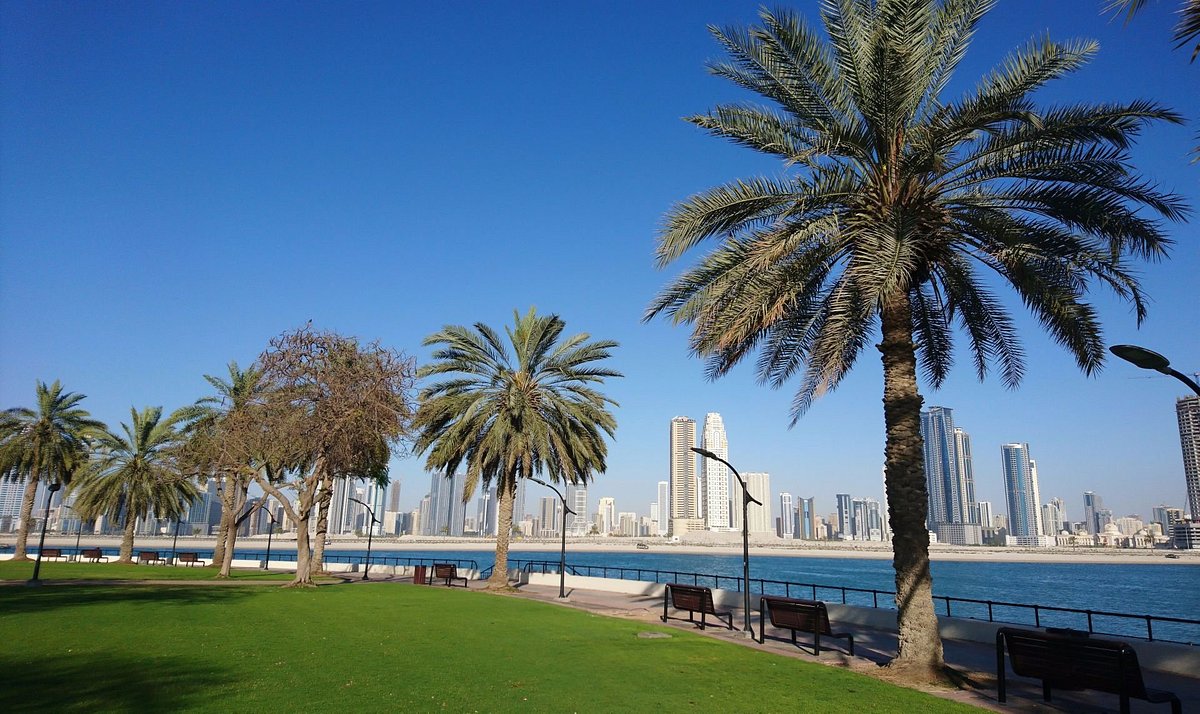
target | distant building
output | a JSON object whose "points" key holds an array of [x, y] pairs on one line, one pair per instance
{"points": [[787, 523], [1091, 505], [1186, 534], [1021, 491], [759, 486], [578, 524], [607, 515], [685, 501], [714, 475], [664, 507], [949, 473], [1187, 409], [843, 516], [1166, 516], [806, 519]]}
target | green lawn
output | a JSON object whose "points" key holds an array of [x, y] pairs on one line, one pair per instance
{"points": [[385, 646], [56, 570]]}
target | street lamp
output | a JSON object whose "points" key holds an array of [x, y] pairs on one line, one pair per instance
{"points": [[562, 554], [747, 499], [1149, 359], [370, 532], [37, 564], [175, 541], [270, 533]]}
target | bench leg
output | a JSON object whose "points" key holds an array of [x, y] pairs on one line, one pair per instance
{"points": [[1124, 704], [817, 643]]}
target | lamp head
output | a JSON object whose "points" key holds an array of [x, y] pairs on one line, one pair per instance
{"points": [[1142, 357], [704, 452], [54, 486]]}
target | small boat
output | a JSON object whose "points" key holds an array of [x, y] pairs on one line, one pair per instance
{"points": [[643, 546]]}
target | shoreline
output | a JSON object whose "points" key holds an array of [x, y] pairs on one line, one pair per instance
{"points": [[808, 550]]}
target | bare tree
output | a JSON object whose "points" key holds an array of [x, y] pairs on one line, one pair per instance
{"points": [[335, 409]]}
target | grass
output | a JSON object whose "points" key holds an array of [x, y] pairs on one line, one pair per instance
{"points": [[385, 646], [52, 570]]}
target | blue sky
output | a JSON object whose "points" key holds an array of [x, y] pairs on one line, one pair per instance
{"points": [[179, 182]]}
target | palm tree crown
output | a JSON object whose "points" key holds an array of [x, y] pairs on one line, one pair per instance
{"points": [[47, 443], [511, 410], [899, 212], [137, 474]]}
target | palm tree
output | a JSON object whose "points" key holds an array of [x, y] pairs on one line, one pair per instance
{"points": [[511, 410], [895, 205], [47, 443], [207, 425], [1186, 31], [137, 475]]}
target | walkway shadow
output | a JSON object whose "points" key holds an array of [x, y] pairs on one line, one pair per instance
{"points": [[17, 600], [97, 682]]}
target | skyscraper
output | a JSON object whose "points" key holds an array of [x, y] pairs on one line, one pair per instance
{"points": [[843, 516], [1187, 409], [714, 475], [664, 507], [1092, 504], [807, 519], [447, 512], [787, 523], [577, 525], [1021, 491], [949, 475], [607, 515], [759, 486], [684, 499]]}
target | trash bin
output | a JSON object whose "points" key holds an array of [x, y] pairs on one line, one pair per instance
{"points": [[419, 575]]}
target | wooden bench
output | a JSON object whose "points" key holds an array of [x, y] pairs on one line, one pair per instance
{"points": [[150, 557], [190, 559], [447, 572], [1076, 661], [93, 554], [693, 599], [796, 615], [52, 554]]}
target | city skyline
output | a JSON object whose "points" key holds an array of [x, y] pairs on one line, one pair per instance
{"points": [[343, 204]]}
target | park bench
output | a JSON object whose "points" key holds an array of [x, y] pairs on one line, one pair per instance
{"points": [[190, 559], [693, 599], [52, 554], [150, 557], [1074, 660], [796, 615], [447, 572], [93, 554]]}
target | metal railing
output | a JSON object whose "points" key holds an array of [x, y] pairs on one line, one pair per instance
{"points": [[1093, 621]]}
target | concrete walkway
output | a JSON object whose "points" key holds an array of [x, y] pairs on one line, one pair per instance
{"points": [[975, 661]]}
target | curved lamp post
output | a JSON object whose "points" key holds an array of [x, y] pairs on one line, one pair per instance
{"points": [[270, 533], [370, 532], [747, 499], [1149, 359], [174, 542], [37, 564], [562, 554]]}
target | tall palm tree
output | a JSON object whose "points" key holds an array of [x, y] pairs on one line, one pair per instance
{"points": [[898, 213], [136, 475], [47, 443], [207, 425], [511, 410]]}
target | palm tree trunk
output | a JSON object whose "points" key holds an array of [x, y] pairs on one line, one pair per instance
{"points": [[26, 516], [919, 654], [126, 554], [507, 494]]}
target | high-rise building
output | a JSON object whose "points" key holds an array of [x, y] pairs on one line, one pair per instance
{"points": [[1051, 519], [664, 507], [519, 502], [1092, 504], [394, 496], [485, 521], [1021, 491], [949, 475], [685, 503], [807, 519], [844, 530], [12, 492], [714, 475], [607, 515], [787, 518], [984, 511], [447, 511], [578, 524], [1187, 409], [549, 516], [1166, 516], [759, 486]]}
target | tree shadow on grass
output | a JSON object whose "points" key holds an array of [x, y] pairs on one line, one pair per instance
{"points": [[15, 600], [92, 682]]}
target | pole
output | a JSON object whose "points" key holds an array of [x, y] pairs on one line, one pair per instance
{"points": [[370, 533], [78, 536], [747, 499], [174, 542], [562, 553], [270, 533], [37, 564]]}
